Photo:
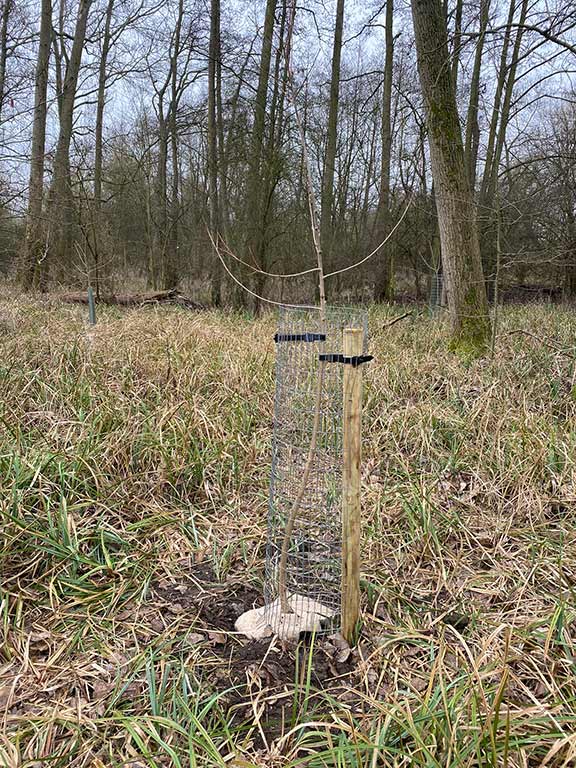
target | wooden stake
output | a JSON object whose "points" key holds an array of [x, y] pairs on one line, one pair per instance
{"points": [[91, 306], [353, 346]]}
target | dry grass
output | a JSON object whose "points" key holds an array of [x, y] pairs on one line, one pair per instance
{"points": [[132, 455]]}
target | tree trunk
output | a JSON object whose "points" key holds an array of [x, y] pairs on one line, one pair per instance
{"points": [[171, 270], [222, 178], [213, 56], [384, 287], [229, 137], [472, 127], [60, 200], [570, 276], [162, 259], [6, 11], [497, 137], [505, 114], [161, 229], [367, 185], [33, 244], [457, 43], [98, 141], [271, 155], [327, 192], [494, 118], [456, 215], [435, 244], [252, 219]]}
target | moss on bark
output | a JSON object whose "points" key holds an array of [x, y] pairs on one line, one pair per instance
{"points": [[472, 337]]}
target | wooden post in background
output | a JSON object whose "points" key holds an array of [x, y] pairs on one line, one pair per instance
{"points": [[352, 414], [91, 306]]}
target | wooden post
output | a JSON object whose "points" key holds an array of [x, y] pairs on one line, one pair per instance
{"points": [[353, 346], [91, 306]]}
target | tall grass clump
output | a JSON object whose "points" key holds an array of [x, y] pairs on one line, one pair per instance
{"points": [[134, 453]]}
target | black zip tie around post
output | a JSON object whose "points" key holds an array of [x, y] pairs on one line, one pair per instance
{"points": [[299, 337], [353, 361]]}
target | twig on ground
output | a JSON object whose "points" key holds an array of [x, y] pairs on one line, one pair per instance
{"points": [[568, 351], [397, 319]]}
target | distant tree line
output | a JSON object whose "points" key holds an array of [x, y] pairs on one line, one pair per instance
{"points": [[140, 139]]}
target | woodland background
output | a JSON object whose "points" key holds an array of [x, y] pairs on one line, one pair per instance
{"points": [[165, 121]]}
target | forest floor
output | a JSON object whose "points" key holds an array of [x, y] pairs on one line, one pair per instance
{"points": [[134, 462]]}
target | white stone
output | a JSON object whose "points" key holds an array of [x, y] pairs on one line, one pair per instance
{"points": [[305, 617]]}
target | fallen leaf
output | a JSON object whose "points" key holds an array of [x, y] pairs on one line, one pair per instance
{"points": [[419, 684], [5, 696], [350, 697], [253, 624], [126, 615], [157, 625], [372, 676], [382, 613], [102, 689], [133, 688], [339, 641], [343, 655], [410, 651], [119, 658]]}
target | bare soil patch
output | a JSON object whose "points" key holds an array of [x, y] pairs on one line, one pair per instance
{"points": [[244, 667]]}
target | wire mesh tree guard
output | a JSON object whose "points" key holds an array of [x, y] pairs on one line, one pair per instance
{"points": [[304, 554], [436, 291]]}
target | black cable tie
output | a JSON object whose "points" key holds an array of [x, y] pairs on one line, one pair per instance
{"points": [[353, 361], [299, 337]]}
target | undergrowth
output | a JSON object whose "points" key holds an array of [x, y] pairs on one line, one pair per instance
{"points": [[135, 451]]}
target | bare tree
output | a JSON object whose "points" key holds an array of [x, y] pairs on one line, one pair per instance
{"points": [[171, 267], [7, 8], [163, 258], [140, 159], [472, 126], [213, 139], [33, 245], [384, 289], [253, 221], [497, 133], [456, 212], [60, 207], [98, 142], [327, 196]]}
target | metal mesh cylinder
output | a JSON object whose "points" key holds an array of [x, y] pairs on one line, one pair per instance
{"points": [[436, 289], [313, 566]]}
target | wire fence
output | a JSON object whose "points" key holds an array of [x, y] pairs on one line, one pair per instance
{"points": [[313, 569]]}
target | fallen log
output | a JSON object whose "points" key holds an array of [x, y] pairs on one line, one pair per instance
{"points": [[134, 299]]}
